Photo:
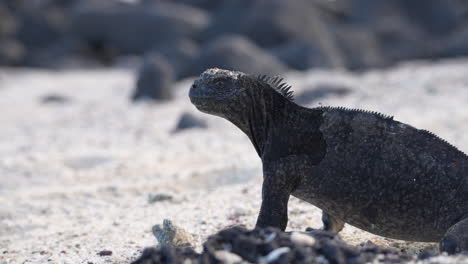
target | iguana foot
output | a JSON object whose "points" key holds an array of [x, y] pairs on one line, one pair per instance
{"points": [[330, 223], [456, 238]]}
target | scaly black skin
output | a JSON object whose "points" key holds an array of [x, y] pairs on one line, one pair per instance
{"points": [[361, 168]]}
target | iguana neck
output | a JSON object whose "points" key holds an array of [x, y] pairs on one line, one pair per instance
{"points": [[260, 111]]}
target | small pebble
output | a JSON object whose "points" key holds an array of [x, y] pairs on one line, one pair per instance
{"points": [[227, 257], [159, 197], [172, 235], [302, 239], [274, 255], [105, 253]]}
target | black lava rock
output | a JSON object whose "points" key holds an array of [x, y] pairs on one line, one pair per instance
{"points": [[136, 29], [187, 121], [270, 245], [274, 22], [433, 16], [167, 255], [179, 53], [235, 52], [155, 80], [41, 29], [358, 47], [301, 55], [225, 18]]}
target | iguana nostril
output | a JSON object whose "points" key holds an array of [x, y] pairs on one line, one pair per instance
{"points": [[194, 86]]}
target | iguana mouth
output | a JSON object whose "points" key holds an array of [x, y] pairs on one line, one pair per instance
{"points": [[201, 102]]}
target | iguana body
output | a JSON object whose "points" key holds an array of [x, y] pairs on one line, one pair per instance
{"points": [[361, 168]]}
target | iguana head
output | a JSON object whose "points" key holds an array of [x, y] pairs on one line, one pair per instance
{"points": [[219, 92], [214, 89]]}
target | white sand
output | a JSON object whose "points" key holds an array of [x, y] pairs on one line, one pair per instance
{"points": [[75, 177]]}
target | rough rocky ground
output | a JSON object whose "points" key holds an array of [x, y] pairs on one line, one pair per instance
{"points": [[78, 161]]}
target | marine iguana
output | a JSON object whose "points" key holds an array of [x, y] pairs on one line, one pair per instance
{"points": [[362, 168]]}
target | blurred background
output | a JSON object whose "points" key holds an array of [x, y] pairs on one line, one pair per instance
{"points": [[255, 36]]}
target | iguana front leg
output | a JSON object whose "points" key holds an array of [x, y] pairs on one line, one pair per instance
{"points": [[275, 196]]}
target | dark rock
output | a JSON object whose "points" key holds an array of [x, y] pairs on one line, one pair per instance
{"points": [[8, 22], [271, 23], [301, 55], [225, 19], [235, 53], [187, 121], [426, 255], [269, 245], [399, 40], [367, 13], [455, 45], [321, 91], [358, 47], [12, 52], [179, 54], [436, 17], [154, 197], [105, 253], [137, 28], [166, 254], [155, 80], [54, 99], [204, 4], [54, 56], [41, 29]]}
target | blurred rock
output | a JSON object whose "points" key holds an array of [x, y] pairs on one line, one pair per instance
{"points": [[273, 22], [367, 13], [204, 4], [54, 99], [321, 91], [455, 45], [8, 22], [171, 235], [301, 55], [358, 47], [179, 54], [12, 52], [155, 80], [159, 197], [56, 55], [187, 121], [137, 28], [41, 29], [235, 52], [436, 17], [225, 19], [399, 40]]}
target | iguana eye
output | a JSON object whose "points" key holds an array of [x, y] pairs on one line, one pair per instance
{"points": [[220, 84]]}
